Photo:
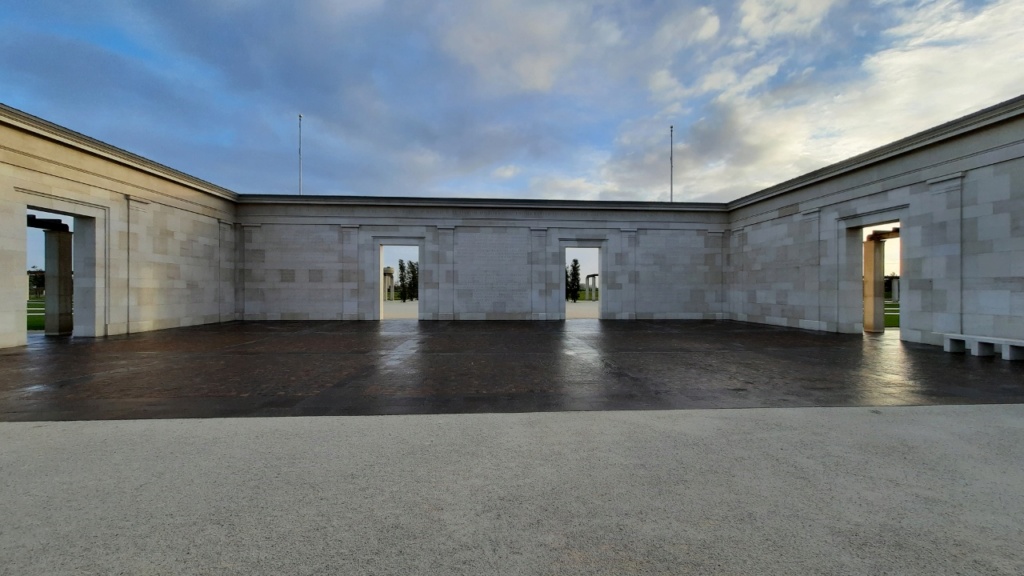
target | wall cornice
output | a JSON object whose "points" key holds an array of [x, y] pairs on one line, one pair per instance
{"points": [[398, 201]]}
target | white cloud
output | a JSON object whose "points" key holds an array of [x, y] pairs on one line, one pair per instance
{"points": [[469, 97], [568, 188], [664, 86], [607, 32], [507, 171], [516, 45], [942, 62], [709, 28], [718, 80], [683, 28], [945, 62], [763, 19], [754, 78]]}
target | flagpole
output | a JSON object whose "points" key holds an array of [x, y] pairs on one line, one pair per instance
{"points": [[300, 154], [671, 163]]}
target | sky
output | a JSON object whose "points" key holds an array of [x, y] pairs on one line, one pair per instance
{"points": [[558, 99]]}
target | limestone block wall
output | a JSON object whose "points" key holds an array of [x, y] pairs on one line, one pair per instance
{"points": [[297, 267], [679, 274], [621, 278], [992, 236], [499, 262], [492, 277], [149, 243], [155, 248], [180, 272], [773, 271], [12, 259], [795, 258]]}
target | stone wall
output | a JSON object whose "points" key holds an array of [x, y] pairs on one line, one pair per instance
{"points": [[153, 248], [795, 258], [492, 278], [494, 262], [992, 233]]}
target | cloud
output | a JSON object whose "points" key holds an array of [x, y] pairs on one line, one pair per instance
{"points": [[685, 27], [709, 27], [537, 99], [515, 45], [664, 86], [764, 19], [760, 120], [507, 171]]}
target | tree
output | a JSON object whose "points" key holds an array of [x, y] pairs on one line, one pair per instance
{"points": [[573, 284], [566, 282], [36, 282], [414, 280], [403, 278]]}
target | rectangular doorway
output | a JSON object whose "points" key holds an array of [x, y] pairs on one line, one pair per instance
{"points": [[582, 283], [50, 275], [400, 282], [882, 268]]}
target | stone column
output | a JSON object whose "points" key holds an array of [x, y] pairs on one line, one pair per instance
{"points": [[592, 287], [349, 238], [389, 283], [629, 243], [539, 282], [59, 286], [446, 272], [874, 285]]}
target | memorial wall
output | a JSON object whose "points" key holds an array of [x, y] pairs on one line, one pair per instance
{"points": [[152, 248], [155, 248]]}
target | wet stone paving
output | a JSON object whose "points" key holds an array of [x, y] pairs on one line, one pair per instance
{"points": [[406, 367]]}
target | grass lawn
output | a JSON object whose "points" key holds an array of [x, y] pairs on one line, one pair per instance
{"points": [[892, 314], [36, 316]]}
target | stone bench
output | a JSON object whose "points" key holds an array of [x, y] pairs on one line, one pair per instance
{"points": [[1009, 348]]}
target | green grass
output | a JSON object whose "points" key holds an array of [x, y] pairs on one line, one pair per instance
{"points": [[583, 296], [37, 306], [892, 314]]}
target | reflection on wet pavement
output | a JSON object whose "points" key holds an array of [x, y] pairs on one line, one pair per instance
{"points": [[409, 367]]}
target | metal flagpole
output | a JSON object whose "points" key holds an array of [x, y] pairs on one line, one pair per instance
{"points": [[300, 154], [671, 164]]}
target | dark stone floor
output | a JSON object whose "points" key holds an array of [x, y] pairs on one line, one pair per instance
{"points": [[408, 367]]}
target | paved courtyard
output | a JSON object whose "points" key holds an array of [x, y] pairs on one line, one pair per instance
{"points": [[840, 462], [409, 367]]}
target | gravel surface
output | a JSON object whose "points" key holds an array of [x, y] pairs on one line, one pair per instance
{"points": [[907, 490]]}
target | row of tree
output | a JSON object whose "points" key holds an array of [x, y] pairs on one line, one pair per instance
{"points": [[408, 285], [36, 283]]}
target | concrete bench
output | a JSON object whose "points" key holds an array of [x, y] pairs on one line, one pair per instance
{"points": [[1009, 348]]}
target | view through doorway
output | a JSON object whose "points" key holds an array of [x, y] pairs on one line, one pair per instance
{"points": [[582, 283], [49, 276], [882, 270], [400, 282]]}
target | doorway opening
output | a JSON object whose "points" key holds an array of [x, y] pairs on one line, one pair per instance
{"points": [[582, 283], [882, 270], [399, 282], [50, 277]]}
